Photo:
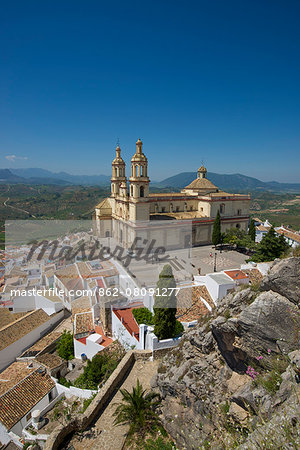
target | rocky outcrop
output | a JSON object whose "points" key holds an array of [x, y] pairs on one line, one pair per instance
{"points": [[284, 279], [236, 370]]}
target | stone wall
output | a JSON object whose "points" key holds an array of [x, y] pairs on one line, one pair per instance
{"points": [[81, 422]]}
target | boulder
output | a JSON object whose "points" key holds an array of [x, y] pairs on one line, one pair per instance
{"points": [[284, 278]]}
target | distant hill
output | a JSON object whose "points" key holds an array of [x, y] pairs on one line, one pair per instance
{"points": [[235, 182], [6, 176], [62, 177], [232, 183]]}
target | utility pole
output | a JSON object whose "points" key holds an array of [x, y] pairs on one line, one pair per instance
{"points": [[215, 262]]}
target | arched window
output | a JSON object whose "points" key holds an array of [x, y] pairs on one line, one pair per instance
{"points": [[107, 234], [116, 173], [142, 191], [238, 225], [136, 171], [142, 171], [185, 206], [222, 208], [131, 191]]}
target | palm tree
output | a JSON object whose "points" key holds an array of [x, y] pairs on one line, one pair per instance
{"points": [[137, 409]]}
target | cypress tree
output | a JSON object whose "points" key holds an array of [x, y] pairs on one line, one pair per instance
{"points": [[252, 230], [165, 304], [270, 247], [216, 234]]}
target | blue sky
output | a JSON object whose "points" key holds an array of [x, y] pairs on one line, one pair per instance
{"points": [[214, 80]]}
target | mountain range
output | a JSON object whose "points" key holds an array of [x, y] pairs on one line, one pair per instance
{"points": [[234, 182]]}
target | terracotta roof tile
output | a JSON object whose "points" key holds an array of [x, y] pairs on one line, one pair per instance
{"points": [[18, 401], [129, 321], [49, 360], [236, 274], [13, 374], [84, 322], [18, 329], [189, 304]]}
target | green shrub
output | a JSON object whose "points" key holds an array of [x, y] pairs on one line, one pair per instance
{"points": [[143, 315], [271, 382], [64, 382], [65, 347], [97, 370], [87, 402], [179, 329]]}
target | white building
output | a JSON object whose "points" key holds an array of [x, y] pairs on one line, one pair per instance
{"points": [[20, 334], [261, 230], [20, 397], [291, 237]]}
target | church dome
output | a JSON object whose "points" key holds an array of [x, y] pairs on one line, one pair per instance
{"points": [[139, 155], [118, 159]]}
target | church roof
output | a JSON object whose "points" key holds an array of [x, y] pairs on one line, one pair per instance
{"points": [[200, 184], [105, 204]]}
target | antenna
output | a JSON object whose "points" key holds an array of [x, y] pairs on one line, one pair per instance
{"points": [[118, 142]]}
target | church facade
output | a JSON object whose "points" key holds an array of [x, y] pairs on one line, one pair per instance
{"points": [[131, 210]]}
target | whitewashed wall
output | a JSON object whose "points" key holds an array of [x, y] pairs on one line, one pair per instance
{"points": [[90, 348], [42, 404], [11, 352], [47, 305], [122, 334], [72, 390]]}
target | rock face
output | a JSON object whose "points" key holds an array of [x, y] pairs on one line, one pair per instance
{"points": [[240, 365], [284, 279]]}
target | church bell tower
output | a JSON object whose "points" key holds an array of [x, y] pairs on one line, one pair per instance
{"points": [[118, 178], [139, 185]]}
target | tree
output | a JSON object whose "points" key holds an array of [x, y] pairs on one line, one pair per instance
{"points": [[165, 304], [98, 369], [252, 230], [235, 236], [65, 348], [137, 410], [271, 246], [216, 234]]}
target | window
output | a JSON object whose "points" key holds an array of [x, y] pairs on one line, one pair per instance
{"points": [[177, 208], [238, 225], [106, 233], [142, 191], [163, 209], [239, 212], [50, 396], [131, 191], [28, 417], [222, 208]]}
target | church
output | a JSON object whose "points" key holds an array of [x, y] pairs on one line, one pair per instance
{"points": [[131, 210]]}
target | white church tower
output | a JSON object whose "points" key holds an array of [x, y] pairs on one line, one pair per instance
{"points": [[139, 185]]}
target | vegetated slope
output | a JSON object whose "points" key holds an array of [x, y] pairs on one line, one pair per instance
{"points": [[237, 182], [233, 380]]}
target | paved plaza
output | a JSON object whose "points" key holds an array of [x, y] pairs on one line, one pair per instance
{"points": [[186, 263]]}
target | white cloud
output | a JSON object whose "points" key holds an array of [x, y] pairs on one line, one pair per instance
{"points": [[12, 158]]}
